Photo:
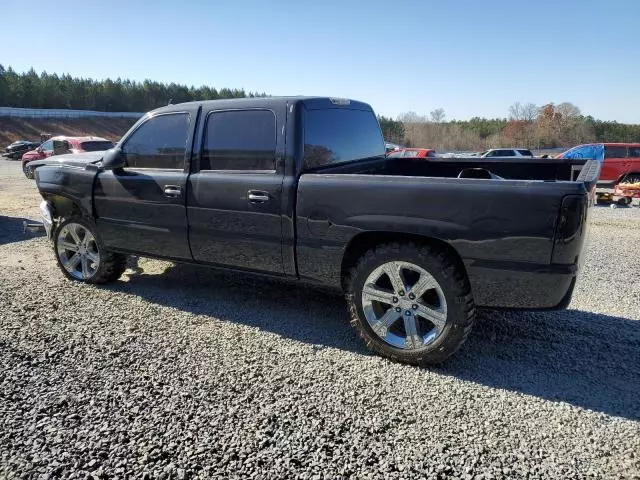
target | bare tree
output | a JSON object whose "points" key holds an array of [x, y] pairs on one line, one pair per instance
{"points": [[437, 115], [411, 117], [568, 110], [526, 112]]}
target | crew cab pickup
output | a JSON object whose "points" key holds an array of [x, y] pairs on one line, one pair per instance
{"points": [[300, 188]]}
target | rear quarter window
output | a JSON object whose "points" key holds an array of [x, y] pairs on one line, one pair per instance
{"points": [[634, 152], [339, 135]]}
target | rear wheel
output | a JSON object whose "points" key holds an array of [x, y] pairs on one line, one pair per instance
{"points": [[82, 257], [631, 178], [410, 303]]}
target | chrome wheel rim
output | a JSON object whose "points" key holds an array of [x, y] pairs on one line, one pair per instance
{"points": [[404, 305], [78, 251]]}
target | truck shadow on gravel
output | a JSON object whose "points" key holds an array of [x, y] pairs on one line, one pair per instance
{"points": [[581, 358], [12, 230]]}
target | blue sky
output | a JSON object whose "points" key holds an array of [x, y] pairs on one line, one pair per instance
{"points": [[472, 58]]}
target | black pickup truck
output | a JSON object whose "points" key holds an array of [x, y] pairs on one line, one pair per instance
{"points": [[300, 188]]}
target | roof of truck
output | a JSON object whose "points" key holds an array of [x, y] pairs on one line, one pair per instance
{"points": [[266, 102]]}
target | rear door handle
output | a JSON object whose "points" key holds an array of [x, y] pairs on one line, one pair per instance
{"points": [[172, 191], [258, 196]]}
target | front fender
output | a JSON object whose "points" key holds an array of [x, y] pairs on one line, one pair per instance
{"points": [[72, 183]]}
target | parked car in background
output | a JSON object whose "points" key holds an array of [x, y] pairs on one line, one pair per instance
{"points": [[413, 152], [61, 145], [391, 147], [620, 161], [507, 152], [17, 149]]}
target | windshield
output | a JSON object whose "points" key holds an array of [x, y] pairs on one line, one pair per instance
{"points": [[97, 145]]}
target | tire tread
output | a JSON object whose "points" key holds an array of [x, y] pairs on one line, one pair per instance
{"points": [[460, 328]]}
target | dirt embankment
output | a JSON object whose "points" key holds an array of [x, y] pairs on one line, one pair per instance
{"points": [[12, 129]]}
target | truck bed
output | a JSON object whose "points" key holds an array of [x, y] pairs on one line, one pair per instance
{"points": [[516, 219], [546, 169]]}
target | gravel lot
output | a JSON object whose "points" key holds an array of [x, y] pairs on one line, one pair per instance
{"points": [[182, 372]]}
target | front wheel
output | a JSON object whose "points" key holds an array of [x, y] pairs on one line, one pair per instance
{"points": [[28, 171], [411, 303], [82, 257]]}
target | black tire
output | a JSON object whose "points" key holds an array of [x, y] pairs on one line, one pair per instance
{"points": [[454, 285], [111, 265], [28, 171]]}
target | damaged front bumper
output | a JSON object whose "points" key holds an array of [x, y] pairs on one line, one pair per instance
{"points": [[47, 218]]}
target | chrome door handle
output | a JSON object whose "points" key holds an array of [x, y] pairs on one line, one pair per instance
{"points": [[172, 191], [258, 196]]}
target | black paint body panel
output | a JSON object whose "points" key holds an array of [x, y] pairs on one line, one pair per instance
{"points": [[133, 214], [502, 230], [519, 238]]}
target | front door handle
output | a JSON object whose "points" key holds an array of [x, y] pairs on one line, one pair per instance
{"points": [[172, 191], [258, 196]]}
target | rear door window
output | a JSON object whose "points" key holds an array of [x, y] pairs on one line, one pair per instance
{"points": [[615, 152], [160, 143], [339, 135], [240, 140], [526, 153]]}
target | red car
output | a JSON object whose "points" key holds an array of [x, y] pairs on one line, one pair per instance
{"points": [[61, 145], [413, 152], [620, 161]]}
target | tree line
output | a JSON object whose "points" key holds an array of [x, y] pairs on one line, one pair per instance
{"points": [[33, 90], [529, 126]]}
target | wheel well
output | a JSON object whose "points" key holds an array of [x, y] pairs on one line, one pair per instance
{"points": [[367, 240], [627, 175], [63, 206]]}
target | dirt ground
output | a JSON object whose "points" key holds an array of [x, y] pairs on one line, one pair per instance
{"points": [[12, 129]]}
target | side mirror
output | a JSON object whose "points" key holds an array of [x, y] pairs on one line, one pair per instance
{"points": [[113, 159]]}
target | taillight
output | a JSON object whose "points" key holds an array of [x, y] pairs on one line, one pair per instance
{"points": [[570, 229]]}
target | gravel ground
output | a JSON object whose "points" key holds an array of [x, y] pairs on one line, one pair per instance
{"points": [[182, 372]]}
